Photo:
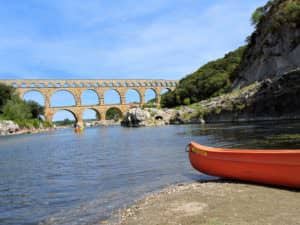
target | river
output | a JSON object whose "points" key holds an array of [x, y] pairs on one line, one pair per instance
{"points": [[64, 178]]}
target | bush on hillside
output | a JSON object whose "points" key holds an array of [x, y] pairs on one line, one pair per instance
{"points": [[212, 79]]}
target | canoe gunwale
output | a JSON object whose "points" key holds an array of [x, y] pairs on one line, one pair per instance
{"points": [[244, 151]]}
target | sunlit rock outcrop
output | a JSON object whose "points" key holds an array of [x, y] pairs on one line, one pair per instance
{"points": [[8, 127], [137, 117]]}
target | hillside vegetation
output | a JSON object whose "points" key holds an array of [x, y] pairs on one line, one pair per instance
{"points": [[277, 13], [213, 79]]}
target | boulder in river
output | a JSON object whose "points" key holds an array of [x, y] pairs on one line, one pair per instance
{"points": [[137, 117]]}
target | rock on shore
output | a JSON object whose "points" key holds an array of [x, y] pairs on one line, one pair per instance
{"points": [[8, 127], [137, 117]]}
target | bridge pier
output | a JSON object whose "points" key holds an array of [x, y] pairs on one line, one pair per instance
{"points": [[47, 100], [158, 99], [79, 121], [101, 100], [123, 100], [48, 114]]}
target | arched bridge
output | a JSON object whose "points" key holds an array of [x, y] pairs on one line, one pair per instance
{"points": [[77, 87]]}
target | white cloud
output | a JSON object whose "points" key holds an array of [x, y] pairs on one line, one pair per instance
{"points": [[151, 39]]}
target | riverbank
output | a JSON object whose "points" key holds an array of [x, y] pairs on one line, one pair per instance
{"points": [[29, 131], [267, 100], [8, 128], [214, 202]]}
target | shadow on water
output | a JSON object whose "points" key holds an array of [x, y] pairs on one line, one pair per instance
{"points": [[260, 135]]}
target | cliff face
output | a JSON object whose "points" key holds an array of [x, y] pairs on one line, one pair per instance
{"points": [[274, 48], [271, 99]]}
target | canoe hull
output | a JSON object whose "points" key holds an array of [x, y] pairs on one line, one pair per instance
{"points": [[275, 167]]}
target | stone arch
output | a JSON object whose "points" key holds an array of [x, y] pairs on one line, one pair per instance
{"points": [[150, 94], [50, 85], [23, 85], [15, 85], [60, 111], [97, 113], [109, 113], [92, 94], [38, 93], [41, 85], [66, 85], [33, 85], [114, 98], [130, 94], [66, 91]]}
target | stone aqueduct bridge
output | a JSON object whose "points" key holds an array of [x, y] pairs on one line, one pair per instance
{"points": [[76, 87]]}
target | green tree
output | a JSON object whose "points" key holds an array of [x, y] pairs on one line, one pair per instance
{"points": [[36, 109], [16, 109], [113, 114], [6, 93], [187, 101], [257, 15]]}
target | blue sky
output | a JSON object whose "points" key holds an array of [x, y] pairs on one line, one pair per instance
{"points": [[105, 39], [118, 39]]}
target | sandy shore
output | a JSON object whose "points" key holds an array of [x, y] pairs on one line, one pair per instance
{"points": [[214, 203]]}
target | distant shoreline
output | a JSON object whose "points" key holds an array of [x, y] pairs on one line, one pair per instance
{"points": [[45, 130]]}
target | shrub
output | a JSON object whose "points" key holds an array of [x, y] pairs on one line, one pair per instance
{"points": [[16, 109], [257, 15], [187, 101]]}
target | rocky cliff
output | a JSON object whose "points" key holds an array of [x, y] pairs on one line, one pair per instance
{"points": [[270, 99], [274, 48]]}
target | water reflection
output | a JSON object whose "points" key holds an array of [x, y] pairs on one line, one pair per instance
{"points": [[64, 178], [263, 135]]}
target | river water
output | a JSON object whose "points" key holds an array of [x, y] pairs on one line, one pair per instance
{"points": [[64, 178]]}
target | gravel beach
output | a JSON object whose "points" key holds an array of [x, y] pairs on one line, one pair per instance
{"points": [[214, 203]]}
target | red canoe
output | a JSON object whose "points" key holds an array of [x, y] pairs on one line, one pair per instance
{"points": [[276, 167]]}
